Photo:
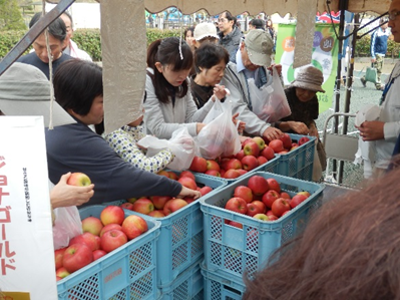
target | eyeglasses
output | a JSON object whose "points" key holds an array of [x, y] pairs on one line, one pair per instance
{"points": [[393, 15]]}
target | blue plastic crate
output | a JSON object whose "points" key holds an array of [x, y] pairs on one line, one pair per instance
{"points": [[188, 285], [128, 272], [233, 250], [218, 287], [180, 243], [299, 162]]}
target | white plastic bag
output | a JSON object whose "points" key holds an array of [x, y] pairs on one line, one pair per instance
{"points": [[220, 136], [181, 144], [269, 102], [66, 226]]}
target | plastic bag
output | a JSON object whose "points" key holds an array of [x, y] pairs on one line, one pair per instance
{"points": [[371, 75], [269, 102], [181, 144], [66, 226], [220, 136]]}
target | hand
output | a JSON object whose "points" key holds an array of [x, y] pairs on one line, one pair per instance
{"points": [[63, 194], [241, 125], [298, 127], [314, 131], [219, 92], [272, 133], [199, 127], [185, 192], [371, 130], [277, 67], [373, 60]]}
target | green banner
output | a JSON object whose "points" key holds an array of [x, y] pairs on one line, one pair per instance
{"points": [[324, 57]]}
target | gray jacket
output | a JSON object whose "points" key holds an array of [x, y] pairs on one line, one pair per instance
{"points": [[231, 41], [241, 99]]}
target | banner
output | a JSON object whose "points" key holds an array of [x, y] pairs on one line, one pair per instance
{"points": [[27, 266], [324, 57]]}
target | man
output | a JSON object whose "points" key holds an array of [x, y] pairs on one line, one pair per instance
{"points": [[378, 50], [71, 48], [256, 24], [385, 131], [229, 34], [40, 58], [252, 58]]}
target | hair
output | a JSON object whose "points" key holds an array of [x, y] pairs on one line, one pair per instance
{"points": [[191, 28], [76, 83], [257, 23], [57, 28], [383, 20], [69, 17], [230, 17], [166, 52], [209, 55], [349, 250]]}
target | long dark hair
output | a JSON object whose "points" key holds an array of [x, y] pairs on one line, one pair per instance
{"points": [[350, 250], [166, 52]]}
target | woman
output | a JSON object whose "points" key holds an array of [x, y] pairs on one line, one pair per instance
{"points": [[78, 88], [210, 63], [169, 103]]}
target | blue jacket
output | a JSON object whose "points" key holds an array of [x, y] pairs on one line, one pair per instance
{"points": [[379, 42]]}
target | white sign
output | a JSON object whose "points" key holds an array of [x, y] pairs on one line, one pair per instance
{"points": [[26, 242]]}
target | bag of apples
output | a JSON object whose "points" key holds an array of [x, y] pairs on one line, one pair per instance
{"points": [[220, 136]]}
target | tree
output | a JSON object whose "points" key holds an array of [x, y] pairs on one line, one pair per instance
{"points": [[10, 16]]}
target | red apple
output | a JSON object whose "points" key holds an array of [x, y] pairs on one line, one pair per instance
{"points": [[235, 224], [205, 190], [279, 206], [58, 257], [258, 185], [159, 201], [303, 140], [305, 193], [79, 179], [213, 173], [233, 163], [187, 174], [262, 160], [255, 207], [285, 196], [251, 148], [133, 226], [143, 206], [286, 140], [237, 204], [294, 146], [269, 197], [249, 162], [243, 192], [157, 214], [98, 253], [269, 213], [110, 227], [268, 153], [231, 173], [297, 199], [76, 257], [112, 214], [173, 205], [240, 155], [62, 272], [88, 239], [113, 239], [212, 165], [262, 217], [92, 225], [58, 278], [131, 200], [283, 152], [199, 164], [188, 182], [163, 173], [127, 205], [260, 142], [172, 175], [241, 171], [276, 145], [274, 184]]}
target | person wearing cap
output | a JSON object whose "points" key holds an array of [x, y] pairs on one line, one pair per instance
{"points": [[40, 58], [256, 24], [78, 88], [253, 60], [229, 33], [25, 91], [205, 32], [303, 102]]}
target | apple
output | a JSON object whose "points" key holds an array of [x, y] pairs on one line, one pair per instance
{"points": [[112, 214], [92, 225], [88, 239], [276, 145], [199, 164], [233, 163], [76, 257], [241, 171], [305, 193], [62, 272], [283, 152], [273, 217], [240, 155], [268, 153], [159, 201], [213, 173], [297, 199], [189, 200], [237, 204], [255, 207], [243, 192], [251, 148], [303, 140], [187, 174], [294, 146], [173, 205], [131, 200], [212, 165], [113, 239], [172, 175], [285, 196], [279, 206], [205, 190], [157, 214], [250, 162], [127, 205], [274, 184], [286, 140], [58, 278], [262, 217], [269, 213], [188, 182], [269, 197], [110, 227], [143, 206], [133, 226], [79, 179], [262, 160], [235, 224], [258, 184], [98, 253], [260, 142], [286, 212], [231, 173], [163, 173], [58, 257]]}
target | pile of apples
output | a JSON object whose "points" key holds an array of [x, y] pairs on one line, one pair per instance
{"points": [[262, 199], [100, 236], [255, 152], [162, 206]]}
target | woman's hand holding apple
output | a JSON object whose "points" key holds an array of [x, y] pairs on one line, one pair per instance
{"points": [[185, 192]]}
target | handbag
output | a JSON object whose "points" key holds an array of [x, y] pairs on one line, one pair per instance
{"points": [[371, 75]]}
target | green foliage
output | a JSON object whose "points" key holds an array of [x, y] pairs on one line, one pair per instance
{"points": [[8, 39], [10, 16], [155, 34], [89, 40]]}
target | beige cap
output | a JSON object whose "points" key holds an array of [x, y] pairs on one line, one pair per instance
{"points": [[259, 46], [203, 30]]}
